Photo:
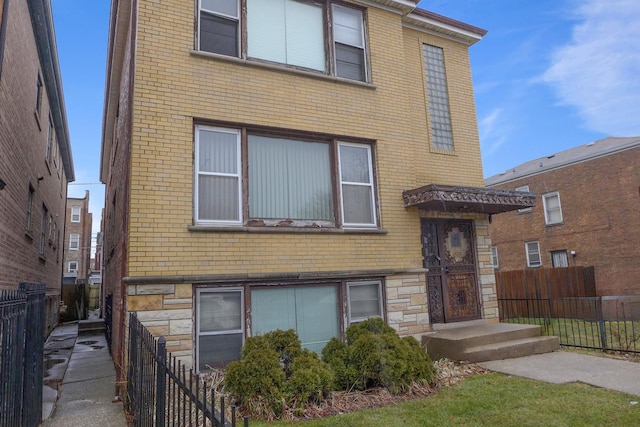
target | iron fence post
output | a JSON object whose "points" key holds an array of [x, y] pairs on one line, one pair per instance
{"points": [[33, 354], [161, 384]]}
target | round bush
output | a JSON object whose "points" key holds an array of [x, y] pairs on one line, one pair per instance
{"points": [[311, 379]]}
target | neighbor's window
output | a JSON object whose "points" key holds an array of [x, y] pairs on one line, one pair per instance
{"points": [[32, 193], [220, 326], [39, 88], [559, 259], [533, 254], [49, 140], [290, 32], [312, 311], [364, 300], [75, 213], [552, 208], [73, 267], [287, 178], [43, 229], [494, 256], [74, 242], [524, 188], [438, 95]]}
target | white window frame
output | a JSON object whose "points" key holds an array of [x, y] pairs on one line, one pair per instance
{"points": [[363, 40], [351, 319], [494, 257], [241, 331], [370, 184], [524, 189], [72, 270], [197, 173], [529, 253], [547, 221], [74, 238], [75, 213]]}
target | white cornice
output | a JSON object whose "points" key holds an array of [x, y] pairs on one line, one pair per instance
{"points": [[430, 25]]}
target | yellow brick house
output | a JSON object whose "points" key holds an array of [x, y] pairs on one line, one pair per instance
{"points": [[276, 164]]}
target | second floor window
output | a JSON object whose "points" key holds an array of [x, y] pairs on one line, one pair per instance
{"points": [[39, 90], [74, 242], [75, 213], [287, 178], [552, 208], [290, 32], [32, 193], [73, 267], [43, 229]]}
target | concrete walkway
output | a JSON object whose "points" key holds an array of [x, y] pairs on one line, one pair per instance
{"points": [[562, 367], [79, 381]]}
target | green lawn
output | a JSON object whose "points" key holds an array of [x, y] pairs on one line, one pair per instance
{"points": [[496, 400]]}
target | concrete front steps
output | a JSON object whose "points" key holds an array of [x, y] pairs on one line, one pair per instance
{"points": [[482, 341]]}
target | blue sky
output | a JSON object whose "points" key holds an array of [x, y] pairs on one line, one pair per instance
{"points": [[549, 75]]}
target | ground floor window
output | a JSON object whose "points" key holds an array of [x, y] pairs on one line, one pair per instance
{"points": [[314, 310], [220, 327]]}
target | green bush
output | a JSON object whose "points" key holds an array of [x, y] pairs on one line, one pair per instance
{"points": [[375, 356], [257, 379], [310, 380], [273, 371]]}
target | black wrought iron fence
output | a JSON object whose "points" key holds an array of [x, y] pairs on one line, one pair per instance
{"points": [[162, 392], [602, 323], [22, 326], [108, 320]]}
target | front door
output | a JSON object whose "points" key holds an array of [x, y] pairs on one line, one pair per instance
{"points": [[449, 257]]}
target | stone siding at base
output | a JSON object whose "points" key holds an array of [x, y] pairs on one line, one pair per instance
{"points": [[406, 307], [166, 310]]}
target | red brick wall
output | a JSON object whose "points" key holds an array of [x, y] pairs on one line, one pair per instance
{"points": [[600, 202]]}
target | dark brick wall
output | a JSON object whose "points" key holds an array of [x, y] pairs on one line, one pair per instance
{"points": [[23, 141], [600, 202]]}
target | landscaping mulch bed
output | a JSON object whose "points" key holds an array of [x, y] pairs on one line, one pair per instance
{"points": [[448, 374]]}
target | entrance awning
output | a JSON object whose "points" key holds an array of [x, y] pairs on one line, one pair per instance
{"points": [[447, 198]]}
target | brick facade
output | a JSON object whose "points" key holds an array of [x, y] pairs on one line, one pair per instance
{"points": [[152, 245], [600, 200], [36, 162], [81, 256]]}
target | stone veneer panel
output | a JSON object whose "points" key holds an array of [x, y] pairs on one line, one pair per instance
{"points": [[406, 304]]}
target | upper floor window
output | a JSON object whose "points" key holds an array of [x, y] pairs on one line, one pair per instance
{"points": [[43, 229], [438, 95], [524, 188], [32, 193], [290, 32], [39, 90], [74, 242], [290, 179], [49, 140], [533, 254], [75, 213], [552, 208]]}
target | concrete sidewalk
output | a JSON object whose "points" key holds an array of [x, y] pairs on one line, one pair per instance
{"points": [[562, 367], [79, 381]]}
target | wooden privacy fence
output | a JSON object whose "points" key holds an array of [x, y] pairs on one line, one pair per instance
{"points": [[541, 283]]}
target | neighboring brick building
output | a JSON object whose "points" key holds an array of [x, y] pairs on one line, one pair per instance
{"points": [[77, 255], [35, 153], [256, 174], [587, 214]]}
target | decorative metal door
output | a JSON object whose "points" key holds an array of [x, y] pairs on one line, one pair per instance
{"points": [[449, 257]]}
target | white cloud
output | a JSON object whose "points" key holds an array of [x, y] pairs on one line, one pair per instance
{"points": [[493, 131], [598, 72]]}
